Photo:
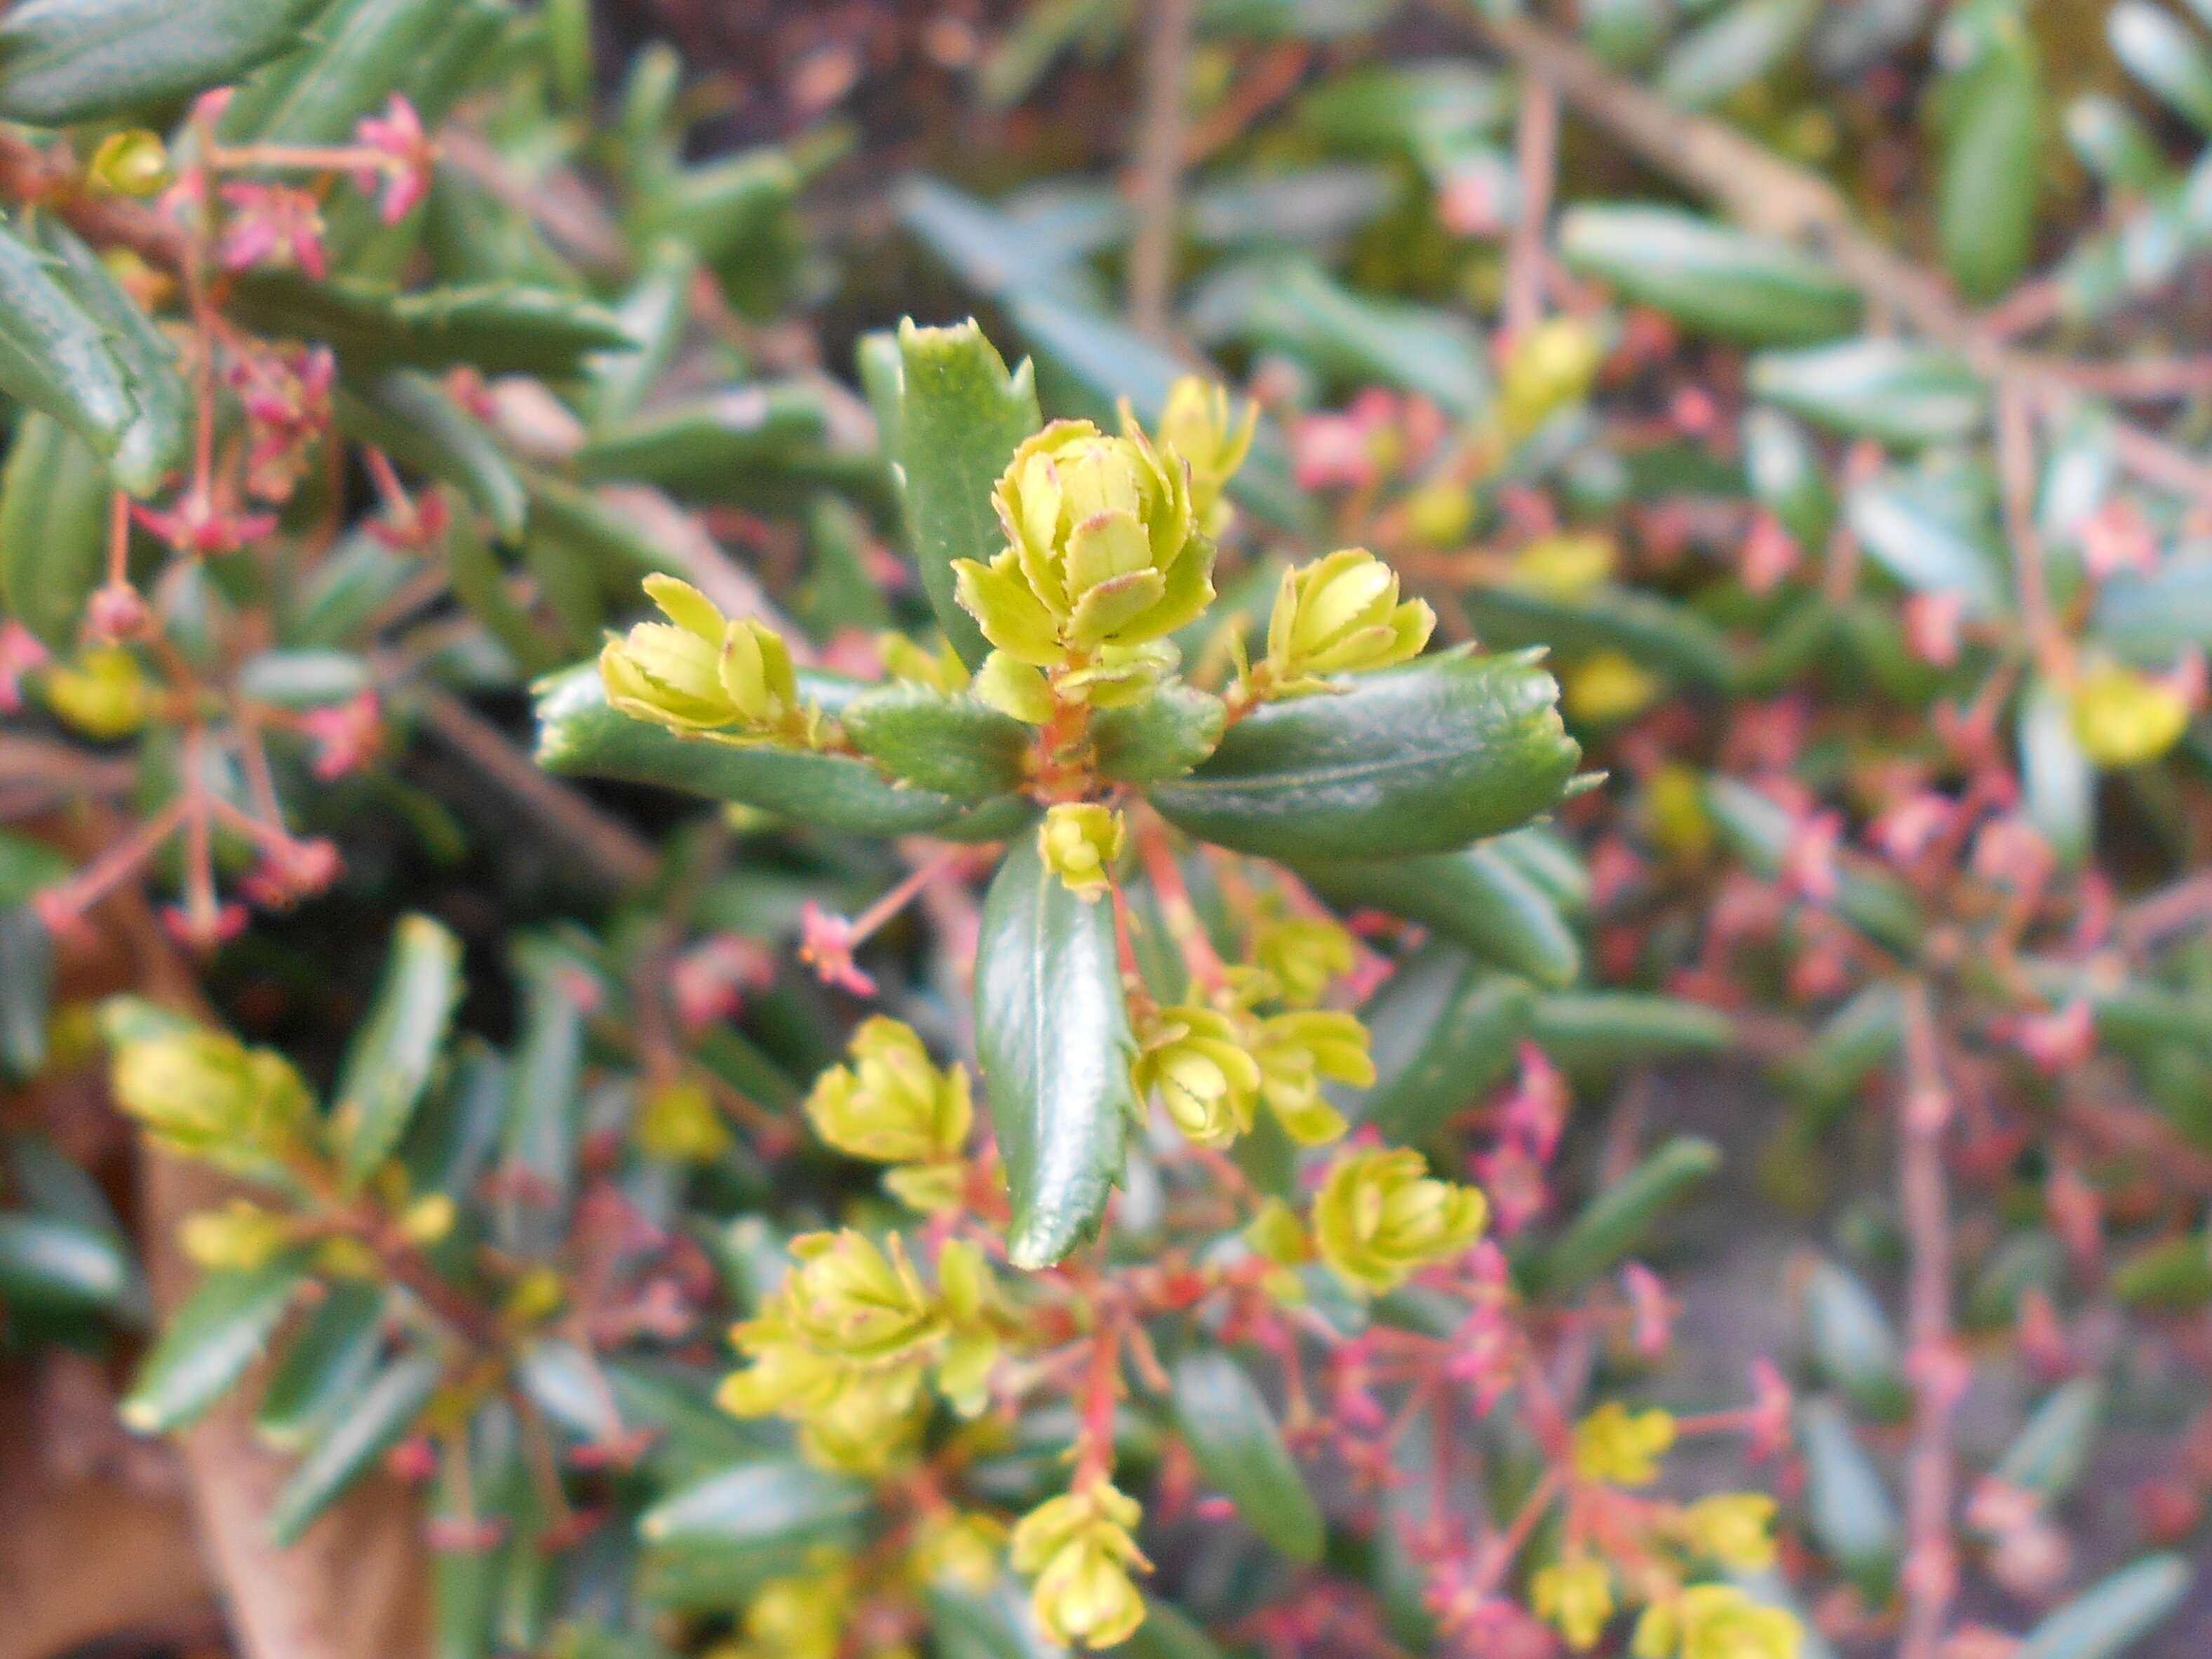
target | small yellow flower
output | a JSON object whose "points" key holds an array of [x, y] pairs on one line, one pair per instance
{"points": [[1197, 423], [960, 1548], [1735, 1528], [801, 1616], [1195, 1057], [1296, 1051], [1675, 812], [1551, 366], [1568, 565], [1339, 615], [430, 1220], [891, 1105], [1577, 1596], [1301, 955], [702, 673], [1380, 1216], [537, 1296], [1716, 1621], [1079, 1548], [1608, 687], [241, 1235], [206, 1095], [1440, 514], [1277, 1234], [103, 693], [678, 1121], [1620, 1447], [2122, 718], [131, 162], [1080, 841], [866, 1302]]}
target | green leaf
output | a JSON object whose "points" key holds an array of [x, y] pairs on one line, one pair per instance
{"points": [[2164, 55], [1657, 633], [568, 1385], [220, 1329], [54, 354], [2052, 1451], [1931, 540], [1852, 1345], [1865, 1033], [54, 500], [356, 54], [2058, 780], [412, 420], [2114, 1614], [1165, 736], [999, 1623], [961, 417], [504, 328], [1594, 1030], [1052, 1039], [957, 746], [159, 437], [53, 1266], [65, 61], [1758, 830], [1787, 478], [740, 213], [27, 992], [762, 1506], [1619, 1221], [2174, 1277], [538, 1123], [326, 1364], [737, 445], [578, 733], [1478, 897], [1167, 1633], [1849, 1513], [652, 317], [2114, 145], [396, 1048], [362, 1432], [1876, 388], [1239, 1448], [1424, 758], [1441, 1031], [478, 580], [1709, 275], [1733, 49], [1991, 174]]}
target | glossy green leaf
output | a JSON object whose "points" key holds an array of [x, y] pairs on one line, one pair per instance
{"points": [[64, 61], [578, 733], [1866, 1033], [1787, 478], [397, 1047], [356, 54], [54, 354], [957, 746], [1167, 1633], [2052, 1451], [1239, 1448], [565, 1382], [158, 439], [1654, 632], [1478, 898], [1592, 1030], [1417, 109], [53, 1266], [1617, 1223], [1733, 48], [2108, 1618], [1853, 1346], [54, 500], [218, 1331], [1443, 1031], [651, 315], [758, 1505], [698, 446], [961, 416], [1930, 540], [539, 1122], [2160, 52], [2113, 143], [359, 1433], [1053, 1040], [327, 1362], [2150, 618], [2058, 780], [1424, 758], [1876, 388], [27, 991], [998, 1624], [1991, 171], [412, 420], [1166, 735], [500, 329], [1849, 1513], [1709, 276]]}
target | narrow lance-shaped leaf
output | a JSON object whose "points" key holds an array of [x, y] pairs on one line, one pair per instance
{"points": [[1444, 1030], [1478, 897], [54, 356], [396, 1048], [65, 61], [2052, 1451], [1853, 1345], [1619, 1220], [1876, 388], [413, 420], [1724, 281], [1594, 1030], [1985, 194], [956, 745], [1852, 1517], [218, 1331], [1239, 1448], [2109, 1618], [54, 497], [1053, 1037], [359, 1433], [52, 1264], [155, 442], [962, 415], [324, 1364]]}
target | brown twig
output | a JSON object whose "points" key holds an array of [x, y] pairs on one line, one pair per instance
{"points": [[1536, 161], [1930, 1571], [1159, 164]]}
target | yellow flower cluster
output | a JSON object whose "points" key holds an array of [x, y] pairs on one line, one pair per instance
{"points": [[847, 1344], [1080, 843], [892, 1106], [1213, 1067], [1702, 1621], [1716, 1621], [1339, 615], [1622, 1448], [1079, 1548], [1302, 956], [676, 1121], [702, 674], [1380, 1216], [1197, 423], [2121, 718]]}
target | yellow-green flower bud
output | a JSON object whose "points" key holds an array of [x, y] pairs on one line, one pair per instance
{"points": [[1101, 549], [1196, 1058], [1440, 514], [1380, 1216], [959, 1548], [1622, 1448], [132, 163], [1340, 615], [849, 1297], [102, 694], [1197, 424], [1675, 813], [702, 672], [2122, 718], [676, 1121], [891, 1105], [1608, 687], [1079, 1547], [1551, 366], [206, 1095], [241, 1235], [1569, 565], [1577, 1597], [1301, 955], [1080, 841], [1296, 1051]]}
